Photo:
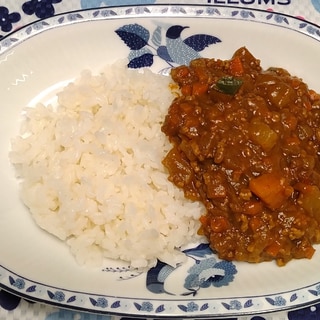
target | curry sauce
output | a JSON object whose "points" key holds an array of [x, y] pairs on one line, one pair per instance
{"points": [[246, 143]]}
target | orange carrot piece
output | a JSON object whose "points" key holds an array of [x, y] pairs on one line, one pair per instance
{"points": [[203, 220], [309, 252], [255, 223], [271, 188], [306, 103], [236, 67], [182, 71], [199, 88], [252, 207], [273, 249], [219, 224], [314, 95], [186, 90]]}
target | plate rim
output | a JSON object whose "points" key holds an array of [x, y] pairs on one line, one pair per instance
{"points": [[31, 29], [105, 13]]}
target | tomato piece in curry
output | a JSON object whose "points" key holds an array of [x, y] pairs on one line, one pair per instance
{"points": [[246, 143]]}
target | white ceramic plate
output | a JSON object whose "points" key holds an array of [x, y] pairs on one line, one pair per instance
{"points": [[41, 58]]}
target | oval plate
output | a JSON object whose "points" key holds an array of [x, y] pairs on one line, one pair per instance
{"points": [[39, 59]]}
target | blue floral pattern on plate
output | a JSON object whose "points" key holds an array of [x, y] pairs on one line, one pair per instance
{"points": [[9, 302], [206, 271], [162, 51], [166, 44]]}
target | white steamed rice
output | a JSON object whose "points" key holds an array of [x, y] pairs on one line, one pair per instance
{"points": [[91, 171]]}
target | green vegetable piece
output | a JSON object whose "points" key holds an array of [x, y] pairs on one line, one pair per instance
{"points": [[229, 85]]}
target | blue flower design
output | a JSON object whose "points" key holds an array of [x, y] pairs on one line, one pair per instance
{"points": [[59, 296], [279, 301], [245, 14], [146, 306], [102, 303], [207, 272], [7, 19], [229, 271], [280, 19], [235, 305], [311, 30], [19, 283], [192, 306], [41, 8]]}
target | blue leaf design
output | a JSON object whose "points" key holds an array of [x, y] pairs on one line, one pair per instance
{"points": [[60, 20], [134, 36], [31, 289], [160, 308], [133, 41], [137, 305], [234, 13], [145, 9], [302, 25], [71, 299], [143, 61], [182, 307], [108, 13], [271, 301], [294, 297], [269, 16], [200, 41], [96, 13], [116, 304], [226, 305], [128, 11], [156, 277], [138, 53], [50, 294], [201, 250], [11, 280], [213, 11], [248, 304], [314, 292], [93, 301], [163, 53], [157, 36], [28, 30], [204, 307]]}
